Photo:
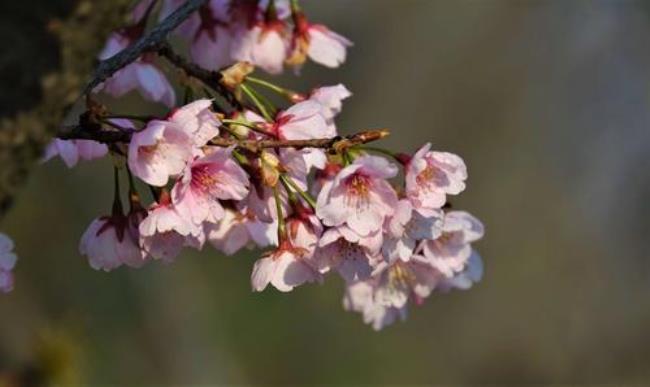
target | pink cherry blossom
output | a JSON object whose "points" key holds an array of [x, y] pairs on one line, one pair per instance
{"points": [[384, 297], [359, 196], [302, 121], [331, 100], [450, 252], [464, 280], [207, 180], [71, 151], [430, 176], [263, 45], [238, 229], [326, 47], [407, 227], [284, 268], [141, 75], [159, 151], [164, 233], [304, 229], [353, 261], [7, 263], [108, 244]]}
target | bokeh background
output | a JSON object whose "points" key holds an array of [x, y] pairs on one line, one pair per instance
{"points": [[548, 103]]}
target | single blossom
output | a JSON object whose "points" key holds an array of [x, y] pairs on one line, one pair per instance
{"points": [[284, 268], [71, 151], [319, 43], [450, 252], [331, 100], [7, 263], [238, 229], [263, 45], [430, 176], [407, 228], [164, 232], [359, 196], [464, 280], [354, 261], [197, 120], [109, 243], [304, 229], [207, 180], [302, 121], [160, 151], [384, 297], [141, 75]]}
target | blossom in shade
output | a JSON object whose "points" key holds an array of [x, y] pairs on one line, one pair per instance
{"points": [[430, 176], [464, 280], [354, 261], [284, 268], [162, 149], [263, 45], [451, 252], [164, 233], [304, 229], [407, 227], [359, 196], [108, 244], [207, 180], [7, 263], [238, 229], [71, 151], [384, 298], [141, 75]]}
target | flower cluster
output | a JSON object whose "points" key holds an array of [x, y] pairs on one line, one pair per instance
{"points": [[279, 177], [268, 34]]}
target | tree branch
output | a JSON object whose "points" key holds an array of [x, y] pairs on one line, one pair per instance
{"points": [[110, 66], [335, 143]]}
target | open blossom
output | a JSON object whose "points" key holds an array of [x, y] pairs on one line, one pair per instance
{"points": [[359, 196], [160, 151], [464, 280], [353, 260], [331, 100], [430, 176], [7, 263], [207, 180], [407, 227], [284, 268], [383, 299], [450, 252], [164, 233], [141, 75], [302, 121], [71, 151], [207, 31], [238, 229], [304, 229], [319, 43], [109, 243], [263, 45]]}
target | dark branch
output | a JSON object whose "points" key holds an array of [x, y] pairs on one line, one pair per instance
{"points": [[336, 143], [146, 43]]}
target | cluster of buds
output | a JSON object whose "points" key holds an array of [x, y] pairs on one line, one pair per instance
{"points": [[278, 177]]}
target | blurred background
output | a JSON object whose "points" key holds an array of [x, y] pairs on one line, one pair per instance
{"points": [[547, 102]]}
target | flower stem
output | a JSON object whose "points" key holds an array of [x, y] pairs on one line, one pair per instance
{"points": [[280, 90], [258, 103], [282, 229], [305, 195]]}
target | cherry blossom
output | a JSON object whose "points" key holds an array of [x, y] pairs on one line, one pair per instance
{"points": [[407, 227], [238, 229], [71, 151], [430, 176], [450, 252], [164, 232], [108, 244], [160, 151], [284, 268], [264, 45], [207, 180], [7, 263], [141, 75], [359, 196], [354, 261], [319, 43]]}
